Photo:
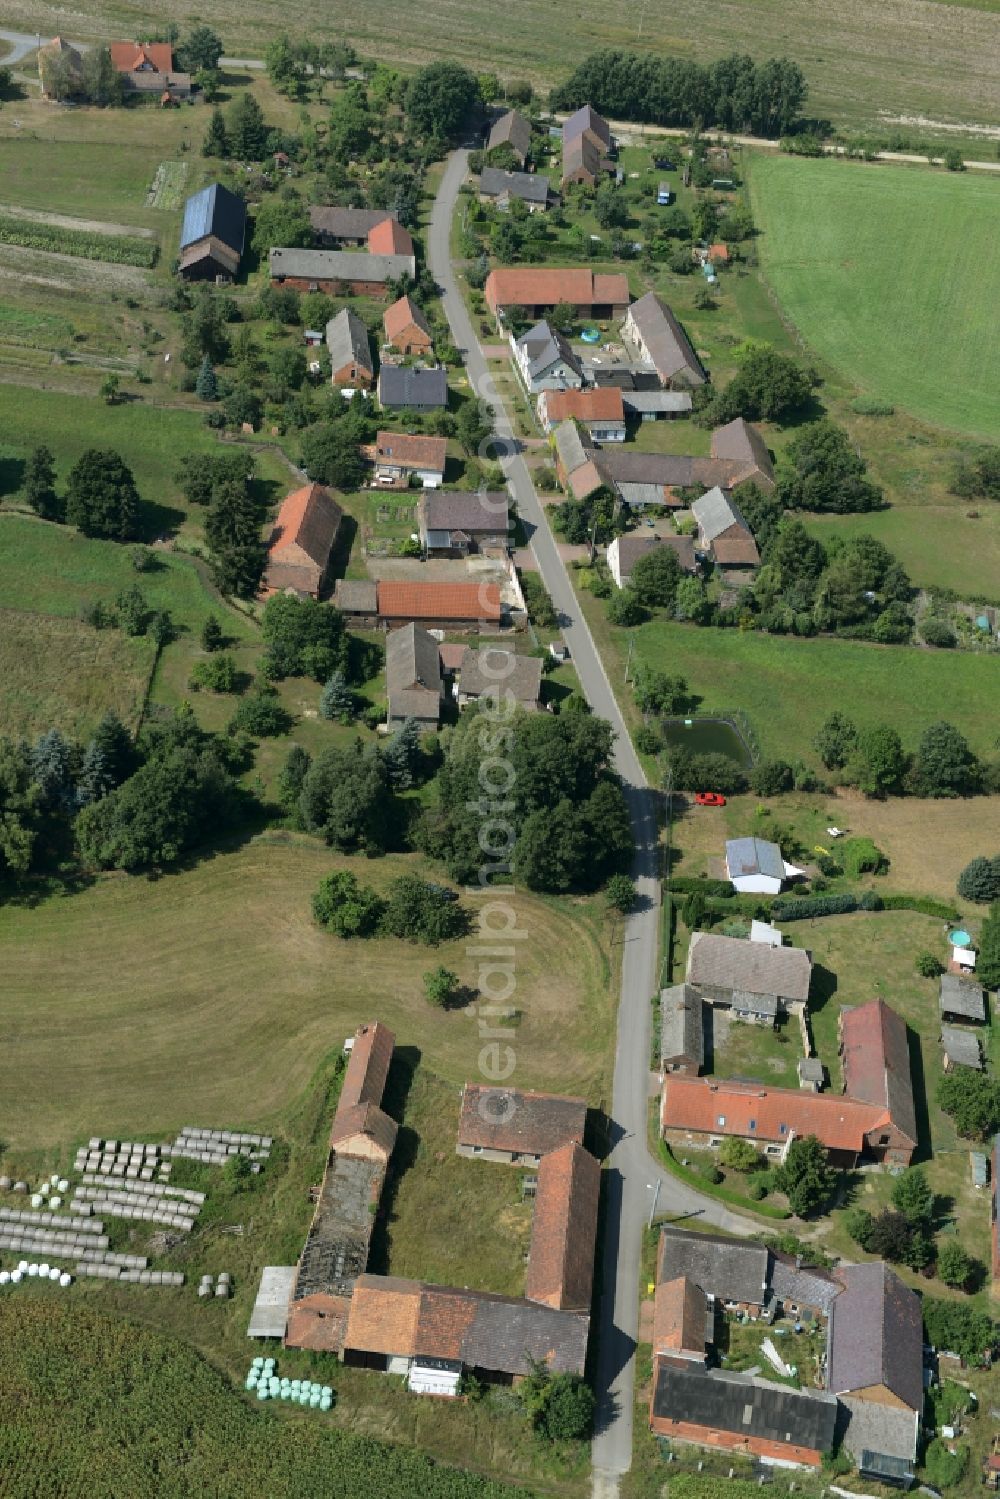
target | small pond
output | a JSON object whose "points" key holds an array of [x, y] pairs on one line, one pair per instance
{"points": [[704, 736]]}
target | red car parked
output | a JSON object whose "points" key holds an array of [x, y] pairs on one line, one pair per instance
{"points": [[709, 799]]}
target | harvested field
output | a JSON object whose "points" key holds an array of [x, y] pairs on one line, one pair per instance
{"points": [[71, 273], [902, 56], [59, 673], [223, 993]]}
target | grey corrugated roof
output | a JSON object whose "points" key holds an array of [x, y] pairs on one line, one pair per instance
{"points": [[715, 512], [569, 446], [876, 1335], [215, 211], [348, 223], [873, 1428], [507, 1334], [748, 856], [511, 129], [641, 401], [401, 385], [665, 340], [586, 118], [633, 546], [339, 265], [356, 596], [961, 1047], [528, 186], [729, 1269], [960, 997], [544, 347], [468, 510], [412, 673], [681, 1029], [802, 1285], [520, 675], [734, 963], [724, 1401], [347, 340], [270, 1311], [756, 1002], [742, 444]]}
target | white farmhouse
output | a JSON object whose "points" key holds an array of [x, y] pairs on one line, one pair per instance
{"points": [[756, 867]]}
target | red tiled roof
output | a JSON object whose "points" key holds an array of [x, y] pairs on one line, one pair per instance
{"points": [[752, 1110], [127, 57], [402, 315], [601, 402], [679, 1314], [389, 238], [877, 1062], [531, 286], [308, 519], [412, 450], [564, 1229], [463, 601], [368, 1068], [364, 1119]]}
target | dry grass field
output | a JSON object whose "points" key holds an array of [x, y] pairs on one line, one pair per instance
{"points": [[207, 996], [61, 673], [927, 843], [901, 56]]}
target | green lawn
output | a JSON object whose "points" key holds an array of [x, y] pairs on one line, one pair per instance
{"points": [[150, 438], [789, 686], [887, 272], [939, 547], [757, 1051]]}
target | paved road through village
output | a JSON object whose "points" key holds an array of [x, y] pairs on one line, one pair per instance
{"points": [[632, 1171]]}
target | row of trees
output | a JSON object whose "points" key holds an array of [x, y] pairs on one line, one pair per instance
{"points": [[733, 93], [413, 909], [943, 764]]}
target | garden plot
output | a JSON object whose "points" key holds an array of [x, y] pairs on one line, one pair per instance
{"points": [[72, 273], [166, 190]]}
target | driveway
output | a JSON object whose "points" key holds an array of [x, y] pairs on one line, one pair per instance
{"points": [[632, 1173]]}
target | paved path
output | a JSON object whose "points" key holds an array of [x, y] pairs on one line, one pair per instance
{"points": [[632, 1172], [21, 44]]}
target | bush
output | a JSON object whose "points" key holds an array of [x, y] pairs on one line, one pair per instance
{"points": [[625, 608], [972, 1100], [928, 966], [938, 632], [861, 856], [646, 740], [217, 675], [871, 406], [739, 1155], [345, 907], [261, 714], [620, 893], [771, 778], [686, 884], [958, 1327], [858, 1223], [954, 1266], [944, 1469], [708, 772], [980, 880]]}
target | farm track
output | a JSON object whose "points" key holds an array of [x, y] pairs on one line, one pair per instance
{"points": [[67, 221]]}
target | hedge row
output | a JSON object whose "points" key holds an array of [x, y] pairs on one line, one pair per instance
{"points": [[694, 885], [116, 249], [673, 1165], [808, 906]]}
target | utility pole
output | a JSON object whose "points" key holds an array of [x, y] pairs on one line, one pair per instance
{"points": [[656, 1198], [628, 658]]}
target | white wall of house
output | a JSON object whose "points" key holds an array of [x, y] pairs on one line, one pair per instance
{"points": [[757, 884], [614, 562]]}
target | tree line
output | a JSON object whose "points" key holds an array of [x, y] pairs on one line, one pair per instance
{"points": [[732, 93]]}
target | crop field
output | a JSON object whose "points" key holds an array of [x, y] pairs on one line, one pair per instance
{"points": [[97, 1403], [223, 993], [903, 56], [887, 273], [166, 191], [59, 672]]}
